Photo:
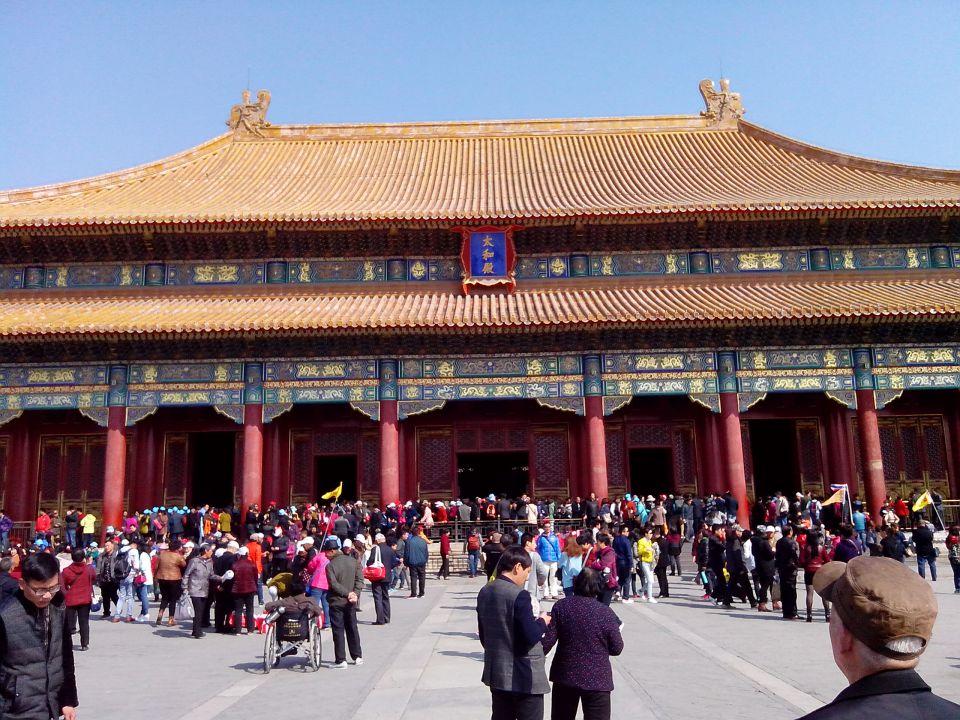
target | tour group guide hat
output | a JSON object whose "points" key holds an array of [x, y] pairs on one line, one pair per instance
{"points": [[879, 600]]}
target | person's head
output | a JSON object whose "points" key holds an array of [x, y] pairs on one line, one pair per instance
{"points": [[331, 546], [954, 531], [206, 550], [883, 614], [788, 531], [603, 540], [6, 564], [624, 530], [587, 583], [78, 555], [108, 546], [527, 541], [572, 547], [846, 532], [175, 545], [40, 581], [514, 565]]}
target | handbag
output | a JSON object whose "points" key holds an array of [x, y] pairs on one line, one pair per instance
{"points": [[184, 610], [139, 579], [375, 571]]}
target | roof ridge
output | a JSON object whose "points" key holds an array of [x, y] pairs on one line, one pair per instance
{"points": [[151, 168], [818, 152]]}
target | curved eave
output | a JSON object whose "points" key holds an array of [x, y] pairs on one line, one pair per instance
{"points": [[544, 306], [147, 221]]}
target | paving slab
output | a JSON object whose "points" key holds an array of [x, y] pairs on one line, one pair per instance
{"points": [[683, 657]]}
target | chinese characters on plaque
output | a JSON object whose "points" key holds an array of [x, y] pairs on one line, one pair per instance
{"points": [[488, 257]]}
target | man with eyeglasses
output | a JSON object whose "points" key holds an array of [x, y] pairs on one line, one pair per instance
{"points": [[37, 680]]}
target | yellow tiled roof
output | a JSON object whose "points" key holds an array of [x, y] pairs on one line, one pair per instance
{"points": [[483, 171], [689, 302]]}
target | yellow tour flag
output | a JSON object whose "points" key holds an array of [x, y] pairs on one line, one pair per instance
{"points": [[333, 494], [835, 498], [923, 501]]}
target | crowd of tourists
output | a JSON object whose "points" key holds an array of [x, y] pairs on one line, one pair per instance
{"points": [[222, 559], [581, 555]]}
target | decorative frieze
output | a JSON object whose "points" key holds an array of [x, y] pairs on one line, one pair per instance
{"points": [[422, 384], [560, 267]]}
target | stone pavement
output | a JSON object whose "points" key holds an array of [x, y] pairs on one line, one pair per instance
{"points": [[683, 658]]}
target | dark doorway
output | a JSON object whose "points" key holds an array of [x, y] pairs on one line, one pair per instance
{"points": [[651, 471], [211, 463], [501, 473], [773, 446], [330, 470]]}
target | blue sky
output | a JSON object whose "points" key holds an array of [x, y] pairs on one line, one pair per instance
{"points": [[94, 87]]}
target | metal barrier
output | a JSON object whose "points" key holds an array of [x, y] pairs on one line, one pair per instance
{"points": [[951, 512], [22, 533], [460, 529]]}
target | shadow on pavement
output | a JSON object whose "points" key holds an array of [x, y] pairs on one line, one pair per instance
{"points": [[478, 656]]}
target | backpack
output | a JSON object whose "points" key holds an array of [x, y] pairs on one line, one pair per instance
{"points": [[473, 543], [120, 566]]}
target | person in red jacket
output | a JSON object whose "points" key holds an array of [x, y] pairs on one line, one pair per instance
{"points": [[77, 580], [444, 571], [42, 526], [244, 589]]}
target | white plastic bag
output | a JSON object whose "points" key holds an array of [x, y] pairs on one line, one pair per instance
{"points": [[184, 609]]}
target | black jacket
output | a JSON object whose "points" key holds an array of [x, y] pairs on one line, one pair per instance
{"points": [[735, 561], [36, 680], [765, 557], [8, 585], [923, 541], [787, 555], [716, 555], [890, 694]]}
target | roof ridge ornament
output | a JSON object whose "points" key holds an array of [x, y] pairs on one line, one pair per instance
{"points": [[724, 108], [249, 118]]}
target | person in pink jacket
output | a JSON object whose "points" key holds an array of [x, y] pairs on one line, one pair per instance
{"points": [[318, 584]]}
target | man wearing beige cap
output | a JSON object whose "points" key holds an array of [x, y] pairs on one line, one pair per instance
{"points": [[882, 622]]}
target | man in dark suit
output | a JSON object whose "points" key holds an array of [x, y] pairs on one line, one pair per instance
{"points": [[787, 561], [882, 622], [513, 657]]}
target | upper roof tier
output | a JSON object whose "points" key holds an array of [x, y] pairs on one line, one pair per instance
{"points": [[513, 170]]}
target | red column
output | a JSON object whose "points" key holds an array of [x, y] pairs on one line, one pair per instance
{"points": [[596, 447], [116, 467], [839, 453], [23, 476], [389, 452], [145, 492], [252, 483], [708, 446], [411, 478], [953, 420], [874, 484], [732, 441]]}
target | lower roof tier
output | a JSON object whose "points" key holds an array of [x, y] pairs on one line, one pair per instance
{"points": [[703, 302]]}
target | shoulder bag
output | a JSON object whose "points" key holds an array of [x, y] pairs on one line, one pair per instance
{"points": [[375, 571]]}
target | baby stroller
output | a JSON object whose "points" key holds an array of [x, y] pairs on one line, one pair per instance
{"points": [[293, 624]]}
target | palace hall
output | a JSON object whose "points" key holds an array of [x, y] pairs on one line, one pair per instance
{"points": [[687, 303]]}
